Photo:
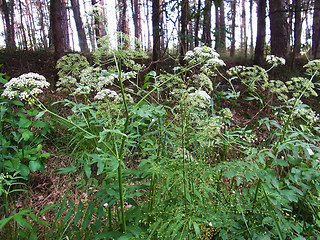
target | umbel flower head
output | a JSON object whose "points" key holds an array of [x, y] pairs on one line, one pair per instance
{"points": [[24, 86], [205, 55], [275, 61]]}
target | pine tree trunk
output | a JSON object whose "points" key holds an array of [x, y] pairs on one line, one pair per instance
{"points": [[123, 26], [244, 30], [23, 32], [184, 29], [137, 22], [56, 25], [297, 28], [196, 25], [233, 28], [65, 25], [79, 25], [156, 29], [8, 11], [261, 33], [222, 28], [251, 29], [279, 29], [217, 28], [206, 31], [316, 30]]}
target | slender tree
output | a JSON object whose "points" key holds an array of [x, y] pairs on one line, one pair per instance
{"points": [[297, 28], [244, 41], [261, 33], [222, 29], [79, 25], [184, 29], [56, 25], [65, 25], [316, 30], [217, 27], [123, 26], [206, 31], [136, 10], [196, 24], [233, 28], [279, 29], [8, 11], [156, 28]]}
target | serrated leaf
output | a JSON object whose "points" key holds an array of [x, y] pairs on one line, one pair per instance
{"points": [[26, 134], [24, 123]]}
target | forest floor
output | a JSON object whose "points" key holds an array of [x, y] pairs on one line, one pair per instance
{"points": [[48, 187]]}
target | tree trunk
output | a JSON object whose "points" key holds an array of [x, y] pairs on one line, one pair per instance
{"points": [[217, 28], [123, 26], [316, 30], [79, 25], [65, 25], [137, 22], [8, 11], [156, 29], [196, 24], [297, 28], [278, 26], [233, 28], [184, 29], [261, 33], [251, 29], [222, 29], [244, 30], [206, 33], [23, 32], [56, 25]]}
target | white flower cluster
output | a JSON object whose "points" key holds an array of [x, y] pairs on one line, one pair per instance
{"points": [[106, 93], [110, 95], [24, 86], [205, 55], [275, 61], [304, 112], [199, 98], [313, 66]]}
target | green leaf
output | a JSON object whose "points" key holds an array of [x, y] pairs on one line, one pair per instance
{"points": [[24, 123], [87, 169], [40, 114], [32, 112], [40, 124], [35, 166], [71, 168], [196, 229], [26, 134]]}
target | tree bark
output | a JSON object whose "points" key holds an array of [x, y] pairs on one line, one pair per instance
{"points": [[316, 30], [65, 25], [196, 24], [233, 28], [279, 29], [222, 29], [184, 29], [206, 32], [261, 33], [79, 25], [56, 25], [123, 26], [217, 28], [156, 29], [8, 12], [297, 28], [137, 22]]}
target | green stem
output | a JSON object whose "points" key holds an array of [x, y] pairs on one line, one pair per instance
{"points": [[121, 152]]}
